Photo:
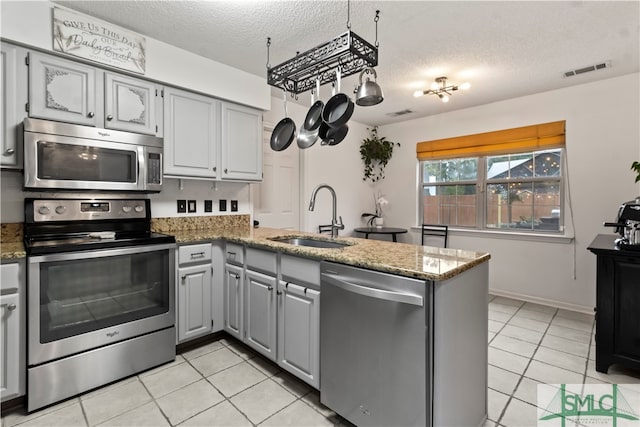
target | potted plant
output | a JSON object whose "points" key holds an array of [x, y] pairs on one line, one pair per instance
{"points": [[376, 218], [375, 152]]}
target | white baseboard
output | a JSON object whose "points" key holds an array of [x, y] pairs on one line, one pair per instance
{"points": [[544, 301]]}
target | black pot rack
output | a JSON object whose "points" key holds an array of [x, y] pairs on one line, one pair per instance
{"points": [[349, 52]]}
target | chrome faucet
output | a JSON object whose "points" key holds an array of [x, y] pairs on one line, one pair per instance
{"points": [[335, 225]]}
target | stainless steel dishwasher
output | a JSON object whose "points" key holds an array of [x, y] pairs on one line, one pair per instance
{"points": [[375, 360]]}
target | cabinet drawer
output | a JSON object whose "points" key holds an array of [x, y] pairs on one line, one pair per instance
{"points": [[261, 260], [10, 277], [194, 253], [234, 253], [300, 270]]}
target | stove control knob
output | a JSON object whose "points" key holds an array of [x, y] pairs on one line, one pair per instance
{"points": [[139, 208], [43, 210], [126, 209], [61, 209]]}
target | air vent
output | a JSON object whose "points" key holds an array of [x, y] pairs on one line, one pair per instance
{"points": [[596, 67], [400, 113]]}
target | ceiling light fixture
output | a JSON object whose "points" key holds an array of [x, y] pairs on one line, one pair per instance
{"points": [[440, 88], [347, 52]]}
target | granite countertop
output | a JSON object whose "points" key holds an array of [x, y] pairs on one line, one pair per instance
{"points": [[11, 245], [421, 262]]}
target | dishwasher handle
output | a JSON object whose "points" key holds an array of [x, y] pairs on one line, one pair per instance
{"points": [[373, 292]]}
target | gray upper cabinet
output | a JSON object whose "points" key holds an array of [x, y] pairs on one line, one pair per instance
{"points": [[63, 90], [13, 93], [72, 92], [241, 143], [190, 135], [132, 105]]}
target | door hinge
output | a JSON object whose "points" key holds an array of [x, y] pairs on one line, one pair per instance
{"points": [[26, 59], [156, 92], [156, 128], [162, 93], [26, 107]]}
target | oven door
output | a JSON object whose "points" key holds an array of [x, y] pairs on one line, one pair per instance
{"points": [[61, 162], [78, 301]]}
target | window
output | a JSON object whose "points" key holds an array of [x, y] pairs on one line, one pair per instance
{"points": [[494, 188]]}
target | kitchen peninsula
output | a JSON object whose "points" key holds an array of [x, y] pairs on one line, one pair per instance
{"points": [[451, 366]]}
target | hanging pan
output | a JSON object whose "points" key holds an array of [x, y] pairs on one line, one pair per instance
{"points": [[308, 134], [338, 110], [285, 131]]}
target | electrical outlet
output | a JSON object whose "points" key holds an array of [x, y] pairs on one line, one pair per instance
{"points": [[234, 206], [208, 205], [191, 204], [223, 205], [182, 206]]}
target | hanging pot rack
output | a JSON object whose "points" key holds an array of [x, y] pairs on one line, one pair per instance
{"points": [[347, 52]]}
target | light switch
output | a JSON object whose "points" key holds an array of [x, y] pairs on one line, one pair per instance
{"points": [[192, 206]]}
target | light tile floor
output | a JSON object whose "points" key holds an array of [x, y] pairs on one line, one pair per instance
{"points": [[225, 384]]}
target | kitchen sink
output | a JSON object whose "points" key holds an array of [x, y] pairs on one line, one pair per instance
{"points": [[311, 242]]}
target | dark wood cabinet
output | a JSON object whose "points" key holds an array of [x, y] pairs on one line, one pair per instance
{"points": [[617, 304]]}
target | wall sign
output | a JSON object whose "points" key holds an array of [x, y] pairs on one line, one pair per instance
{"points": [[99, 41]]}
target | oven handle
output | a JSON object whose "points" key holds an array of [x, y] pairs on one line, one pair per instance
{"points": [[99, 253]]}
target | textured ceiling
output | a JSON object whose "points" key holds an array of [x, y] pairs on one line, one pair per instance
{"points": [[504, 49]]}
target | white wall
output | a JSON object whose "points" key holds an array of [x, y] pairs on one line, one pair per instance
{"points": [[603, 137], [30, 23]]}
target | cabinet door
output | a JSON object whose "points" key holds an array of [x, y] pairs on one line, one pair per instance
{"points": [[9, 98], [194, 301], [233, 322], [241, 143], [299, 331], [260, 306], [63, 90], [130, 104], [190, 134], [626, 320], [10, 345]]}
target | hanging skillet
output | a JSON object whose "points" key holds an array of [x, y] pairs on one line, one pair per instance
{"points": [[339, 109], [285, 131], [308, 134]]}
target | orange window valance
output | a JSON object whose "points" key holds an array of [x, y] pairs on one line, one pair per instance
{"points": [[507, 141]]}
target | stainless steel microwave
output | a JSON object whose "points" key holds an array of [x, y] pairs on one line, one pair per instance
{"points": [[62, 156]]}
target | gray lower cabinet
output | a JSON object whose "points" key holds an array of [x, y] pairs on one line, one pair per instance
{"points": [[12, 331], [233, 296], [299, 331], [194, 316], [260, 304]]}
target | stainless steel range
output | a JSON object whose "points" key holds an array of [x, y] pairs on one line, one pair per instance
{"points": [[100, 295]]}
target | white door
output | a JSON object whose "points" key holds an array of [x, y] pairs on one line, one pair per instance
{"points": [[276, 201]]}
